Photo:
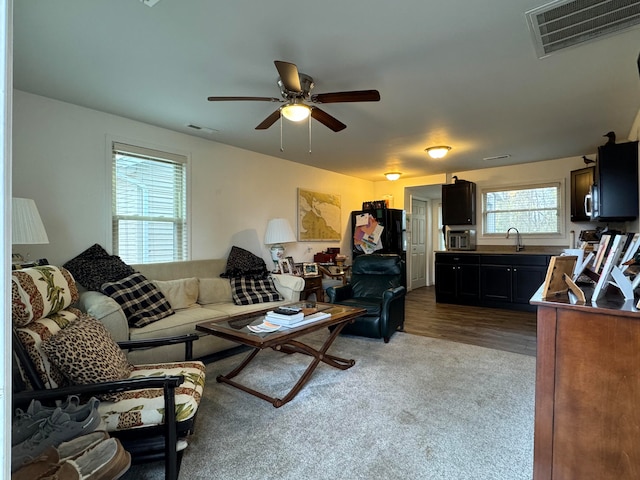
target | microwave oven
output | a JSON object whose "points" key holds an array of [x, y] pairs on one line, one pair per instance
{"points": [[461, 239]]}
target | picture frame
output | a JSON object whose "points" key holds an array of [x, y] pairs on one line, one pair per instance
{"points": [[559, 268], [319, 216], [310, 269], [285, 266], [295, 267]]}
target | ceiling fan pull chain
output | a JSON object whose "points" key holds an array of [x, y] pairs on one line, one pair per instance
{"points": [[281, 146], [309, 134]]}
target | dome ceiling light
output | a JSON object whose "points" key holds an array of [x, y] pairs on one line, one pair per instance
{"points": [[296, 112], [392, 176], [438, 152]]}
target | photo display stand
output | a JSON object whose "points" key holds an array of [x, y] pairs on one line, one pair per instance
{"points": [[558, 279], [613, 270]]}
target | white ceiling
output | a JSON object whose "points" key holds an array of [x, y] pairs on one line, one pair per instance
{"points": [[461, 73]]}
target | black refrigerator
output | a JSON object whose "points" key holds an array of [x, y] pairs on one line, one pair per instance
{"points": [[392, 238]]}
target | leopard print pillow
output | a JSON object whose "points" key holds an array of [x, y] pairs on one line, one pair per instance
{"points": [[86, 353]]}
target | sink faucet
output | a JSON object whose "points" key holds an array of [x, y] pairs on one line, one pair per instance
{"points": [[519, 245]]}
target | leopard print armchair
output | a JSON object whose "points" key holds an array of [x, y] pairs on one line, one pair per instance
{"points": [[61, 351]]}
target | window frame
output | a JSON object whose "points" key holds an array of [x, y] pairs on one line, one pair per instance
{"points": [[151, 152], [559, 184]]}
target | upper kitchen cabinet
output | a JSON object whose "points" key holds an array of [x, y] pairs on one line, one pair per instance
{"points": [[614, 194], [459, 203], [581, 182]]}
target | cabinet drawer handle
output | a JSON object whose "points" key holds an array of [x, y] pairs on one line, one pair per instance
{"points": [[587, 204]]}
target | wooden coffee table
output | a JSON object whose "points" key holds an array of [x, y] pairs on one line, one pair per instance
{"points": [[284, 340]]}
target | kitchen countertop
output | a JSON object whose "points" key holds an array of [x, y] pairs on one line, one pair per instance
{"points": [[510, 250]]}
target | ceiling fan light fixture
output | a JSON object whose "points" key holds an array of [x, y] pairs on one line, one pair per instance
{"points": [[439, 151], [296, 112], [392, 176]]}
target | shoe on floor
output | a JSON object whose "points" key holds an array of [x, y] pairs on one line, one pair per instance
{"points": [[106, 461], [27, 423], [48, 461], [59, 427]]}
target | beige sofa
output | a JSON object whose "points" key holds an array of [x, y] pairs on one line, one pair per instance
{"points": [[197, 293]]}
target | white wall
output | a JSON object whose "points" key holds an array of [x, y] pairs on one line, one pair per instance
{"points": [[549, 170], [60, 160]]}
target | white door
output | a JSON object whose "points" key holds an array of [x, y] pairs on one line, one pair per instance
{"points": [[418, 243]]}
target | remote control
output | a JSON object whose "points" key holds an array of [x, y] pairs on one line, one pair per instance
{"points": [[287, 310]]}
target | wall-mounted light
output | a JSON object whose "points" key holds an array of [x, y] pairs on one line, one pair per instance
{"points": [[296, 112], [438, 151], [392, 175]]}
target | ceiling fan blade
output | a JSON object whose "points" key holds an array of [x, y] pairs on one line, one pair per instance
{"points": [[327, 120], [341, 97], [289, 75], [270, 120], [233, 99]]}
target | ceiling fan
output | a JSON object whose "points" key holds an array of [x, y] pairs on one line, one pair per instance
{"points": [[295, 88]]}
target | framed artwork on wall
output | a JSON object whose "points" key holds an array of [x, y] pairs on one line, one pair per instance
{"points": [[319, 216]]}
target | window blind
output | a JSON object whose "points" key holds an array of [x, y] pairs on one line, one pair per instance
{"points": [[148, 205]]}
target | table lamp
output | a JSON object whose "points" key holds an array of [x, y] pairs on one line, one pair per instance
{"points": [[278, 232], [26, 225]]}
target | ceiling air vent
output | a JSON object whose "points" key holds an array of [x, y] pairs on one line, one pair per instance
{"points": [[566, 23]]}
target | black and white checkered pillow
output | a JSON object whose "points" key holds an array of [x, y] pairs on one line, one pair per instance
{"points": [[141, 301], [247, 290]]}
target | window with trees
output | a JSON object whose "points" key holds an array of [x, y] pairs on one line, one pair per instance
{"points": [[532, 209]]}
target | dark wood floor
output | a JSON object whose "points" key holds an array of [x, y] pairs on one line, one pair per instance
{"points": [[509, 330]]}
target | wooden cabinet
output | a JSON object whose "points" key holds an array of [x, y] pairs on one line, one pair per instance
{"points": [[581, 181], [587, 420], [459, 203], [457, 278], [507, 281], [615, 192], [313, 284]]}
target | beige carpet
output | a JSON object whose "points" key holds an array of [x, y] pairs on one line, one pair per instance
{"points": [[416, 408]]}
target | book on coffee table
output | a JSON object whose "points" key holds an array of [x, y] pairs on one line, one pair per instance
{"points": [[314, 317], [285, 319]]}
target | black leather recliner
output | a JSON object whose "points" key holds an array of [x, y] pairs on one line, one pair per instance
{"points": [[377, 284]]}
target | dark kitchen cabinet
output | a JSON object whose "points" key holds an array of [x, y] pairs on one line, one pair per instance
{"points": [[581, 181], [457, 278], [459, 203], [511, 280], [615, 189], [526, 279], [490, 280], [496, 283]]}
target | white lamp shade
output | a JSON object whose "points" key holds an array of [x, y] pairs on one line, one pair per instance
{"points": [[278, 231], [26, 225]]}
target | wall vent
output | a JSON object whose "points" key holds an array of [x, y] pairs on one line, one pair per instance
{"points": [[565, 23]]}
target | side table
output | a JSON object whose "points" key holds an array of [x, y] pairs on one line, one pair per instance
{"points": [[313, 284]]}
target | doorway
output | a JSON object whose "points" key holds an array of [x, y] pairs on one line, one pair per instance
{"points": [[427, 232], [417, 249]]}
